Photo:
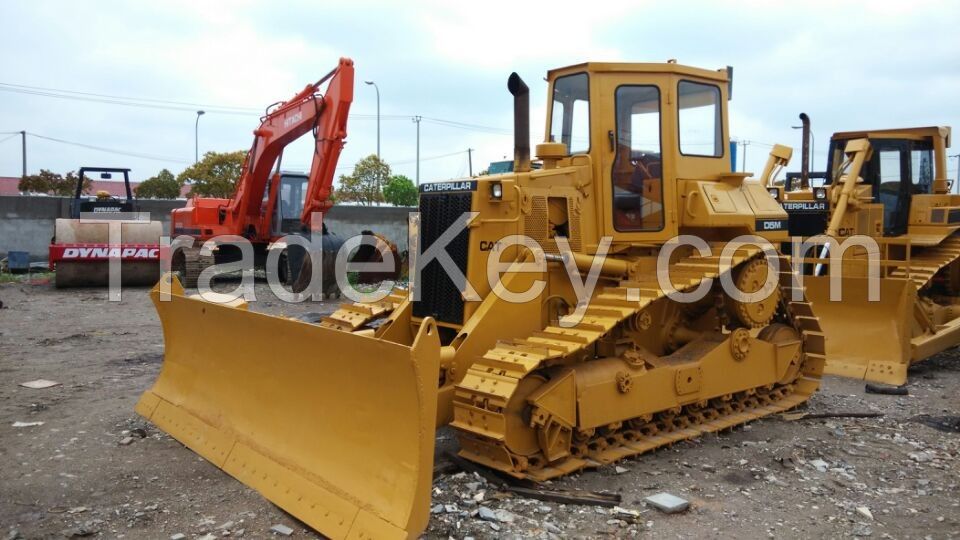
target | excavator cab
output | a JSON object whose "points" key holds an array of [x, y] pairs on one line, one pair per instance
{"points": [[289, 203]]}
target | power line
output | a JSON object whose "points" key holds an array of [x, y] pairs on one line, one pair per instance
{"points": [[441, 156], [467, 126], [125, 98], [120, 102], [8, 138], [189, 106], [393, 163], [111, 150], [149, 103]]}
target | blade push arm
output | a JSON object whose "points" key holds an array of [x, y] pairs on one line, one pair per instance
{"points": [[324, 114], [858, 151]]}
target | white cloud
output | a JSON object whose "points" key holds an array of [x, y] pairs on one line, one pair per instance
{"points": [[847, 65]]}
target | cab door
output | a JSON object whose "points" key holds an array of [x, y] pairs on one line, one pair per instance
{"points": [[890, 173], [636, 197]]}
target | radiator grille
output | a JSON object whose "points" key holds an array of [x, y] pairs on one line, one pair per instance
{"points": [[573, 215], [440, 298], [536, 225]]}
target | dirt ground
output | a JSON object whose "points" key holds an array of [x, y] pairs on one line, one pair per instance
{"points": [[94, 468]]}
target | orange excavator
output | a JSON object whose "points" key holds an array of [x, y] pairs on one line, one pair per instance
{"points": [[269, 204]]}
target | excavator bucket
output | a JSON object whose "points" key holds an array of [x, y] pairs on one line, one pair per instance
{"points": [[335, 428], [864, 339]]}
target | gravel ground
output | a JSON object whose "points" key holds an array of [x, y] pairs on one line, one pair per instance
{"points": [[94, 468]]}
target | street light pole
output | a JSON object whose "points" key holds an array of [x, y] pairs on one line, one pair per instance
{"points": [[23, 135], [377, 88], [417, 119], [196, 138]]}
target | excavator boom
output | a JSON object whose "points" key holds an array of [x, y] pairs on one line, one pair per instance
{"points": [[256, 211], [324, 114]]}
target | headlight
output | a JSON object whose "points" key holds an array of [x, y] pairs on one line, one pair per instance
{"points": [[819, 193], [774, 192], [496, 190]]}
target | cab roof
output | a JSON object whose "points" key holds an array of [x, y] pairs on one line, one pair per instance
{"points": [[905, 133], [719, 75]]}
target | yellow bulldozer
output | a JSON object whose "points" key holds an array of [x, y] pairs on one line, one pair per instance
{"points": [[598, 336], [890, 187]]}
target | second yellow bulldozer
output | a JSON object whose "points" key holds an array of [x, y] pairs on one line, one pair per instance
{"points": [[890, 188], [580, 349]]}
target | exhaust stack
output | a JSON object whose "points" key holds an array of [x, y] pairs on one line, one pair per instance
{"points": [[521, 123], [805, 157]]}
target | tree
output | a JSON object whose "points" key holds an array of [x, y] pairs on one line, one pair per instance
{"points": [[70, 184], [53, 183], [162, 186], [400, 191], [215, 175], [366, 183]]}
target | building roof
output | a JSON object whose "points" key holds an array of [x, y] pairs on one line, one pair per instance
{"points": [[8, 185]]}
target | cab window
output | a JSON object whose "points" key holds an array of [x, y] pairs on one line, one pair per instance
{"points": [[637, 168], [921, 167], [570, 113], [699, 119]]}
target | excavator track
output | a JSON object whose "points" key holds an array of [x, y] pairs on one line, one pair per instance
{"points": [[193, 264], [926, 262], [482, 396]]}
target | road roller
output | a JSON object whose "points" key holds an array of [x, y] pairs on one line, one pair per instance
{"points": [[104, 227]]}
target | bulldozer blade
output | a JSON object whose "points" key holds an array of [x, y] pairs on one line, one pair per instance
{"points": [[335, 428], [864, 339]]}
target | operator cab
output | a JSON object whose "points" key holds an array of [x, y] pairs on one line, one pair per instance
{"points": [[650, 128], [290, 201], [103, 204], [902, 166]]}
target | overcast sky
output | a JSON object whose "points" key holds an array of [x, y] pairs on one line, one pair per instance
{"points": [[848, 65]]}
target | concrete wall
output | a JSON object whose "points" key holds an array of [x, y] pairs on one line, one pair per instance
{"points": [[26, 223]]}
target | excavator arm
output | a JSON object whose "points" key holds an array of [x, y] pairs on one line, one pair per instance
{"points": [[309, 110]]}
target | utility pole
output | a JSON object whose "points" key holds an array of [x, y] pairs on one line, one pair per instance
{"points": [[23, 137], [416, 120], [470, 160], [745, 145]]}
